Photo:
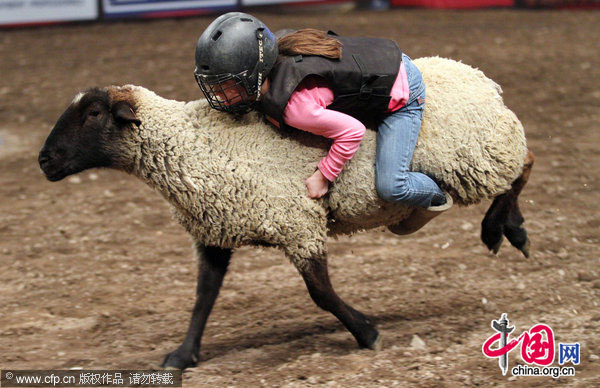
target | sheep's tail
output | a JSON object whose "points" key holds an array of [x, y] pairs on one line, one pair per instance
{"points": [[504, 216]]}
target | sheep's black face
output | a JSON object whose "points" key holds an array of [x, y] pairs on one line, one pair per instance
{"points": [[80, 138]]}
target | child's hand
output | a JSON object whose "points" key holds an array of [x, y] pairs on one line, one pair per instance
{"points": [[317, 185]]}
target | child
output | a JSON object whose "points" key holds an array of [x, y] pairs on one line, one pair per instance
{"points": [[303, 81]]}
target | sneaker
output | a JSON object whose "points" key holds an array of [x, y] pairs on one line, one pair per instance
{"points": [[420, 217]]}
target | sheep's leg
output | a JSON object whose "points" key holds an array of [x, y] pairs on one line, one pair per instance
{"points": [[504, 216], [212, 267], [321, 291]]}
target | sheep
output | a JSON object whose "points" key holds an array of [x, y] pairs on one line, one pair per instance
{"points": [[235, 181]]}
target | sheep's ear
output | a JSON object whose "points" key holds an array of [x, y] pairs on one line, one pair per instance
{"points": [[124, 112]]}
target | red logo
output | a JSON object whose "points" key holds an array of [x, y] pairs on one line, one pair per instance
{"points": [[537, 345]]}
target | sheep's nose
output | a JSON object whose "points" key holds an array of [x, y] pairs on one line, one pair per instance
{"points": [[43, 158]]}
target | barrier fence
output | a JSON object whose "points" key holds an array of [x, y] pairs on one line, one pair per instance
{"points": [[16, 13]]}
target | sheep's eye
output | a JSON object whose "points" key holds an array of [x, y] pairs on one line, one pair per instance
{"points": [[94, 113]]}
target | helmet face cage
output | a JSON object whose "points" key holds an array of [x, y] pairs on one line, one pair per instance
{"points": [[227, 92], [233, 56]]}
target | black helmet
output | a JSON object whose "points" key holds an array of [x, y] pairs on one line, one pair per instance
{"points": [[233, 57]]}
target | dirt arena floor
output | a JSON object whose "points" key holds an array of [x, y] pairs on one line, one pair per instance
{"points": [[95, 274]]}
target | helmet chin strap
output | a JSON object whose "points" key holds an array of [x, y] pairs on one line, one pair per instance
{"points": [[260, 64]]}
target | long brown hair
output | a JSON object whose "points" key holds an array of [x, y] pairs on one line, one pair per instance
{"points": [[310, 41]]}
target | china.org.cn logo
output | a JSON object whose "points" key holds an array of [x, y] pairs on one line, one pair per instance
{"points": [[537, 348]]}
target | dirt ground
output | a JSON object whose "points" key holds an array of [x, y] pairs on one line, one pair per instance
{"points": [[96, 274]]}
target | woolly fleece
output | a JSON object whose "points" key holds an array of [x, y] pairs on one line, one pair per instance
{"points": [[238, 181]]}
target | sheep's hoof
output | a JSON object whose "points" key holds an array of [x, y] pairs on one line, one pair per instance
{"points": [[496, 247], [525, 248], [179, 360], [377, 344]]}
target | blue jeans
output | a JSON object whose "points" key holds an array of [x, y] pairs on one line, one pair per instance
{"points": [[396, 139]]}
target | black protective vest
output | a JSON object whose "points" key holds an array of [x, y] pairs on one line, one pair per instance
{"points": [[361, 80]]}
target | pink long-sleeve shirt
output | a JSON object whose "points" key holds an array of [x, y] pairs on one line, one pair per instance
{"points": [[306, 110]]}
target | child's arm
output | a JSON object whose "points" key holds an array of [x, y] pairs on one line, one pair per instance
{"points": [[306, 110]]}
